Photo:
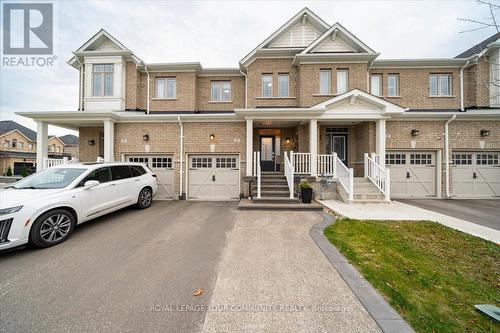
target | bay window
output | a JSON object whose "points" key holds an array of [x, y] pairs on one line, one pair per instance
{"points": [[102, 80]]}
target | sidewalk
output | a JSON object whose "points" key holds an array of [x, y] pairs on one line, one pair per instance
{"points": [[400, 211]]}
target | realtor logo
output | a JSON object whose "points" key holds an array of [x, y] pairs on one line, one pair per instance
{"points": [[27, 28]]}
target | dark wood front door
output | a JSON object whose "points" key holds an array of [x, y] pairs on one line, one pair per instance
{"points": [[267, 153]]}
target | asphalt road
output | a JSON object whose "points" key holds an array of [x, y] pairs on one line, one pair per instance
{"points": [[129, 271], [480, 211]]}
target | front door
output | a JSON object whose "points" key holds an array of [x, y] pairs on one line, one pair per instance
{"points": [[267, 153], [338, 145]]}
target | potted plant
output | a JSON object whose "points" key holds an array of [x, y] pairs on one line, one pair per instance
{"points": [[306, 191]]}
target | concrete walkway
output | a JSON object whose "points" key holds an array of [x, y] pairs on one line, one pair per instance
{"points": [[401, 211], [273, 277]]}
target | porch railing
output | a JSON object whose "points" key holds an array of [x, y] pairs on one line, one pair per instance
{"points": [[256, 171], [51, 162], [289, 172], [301, 163], [326, 165], [378, 175], [345, 177]]}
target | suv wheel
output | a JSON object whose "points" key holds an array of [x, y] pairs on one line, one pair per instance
{"points": [[51, 228], [145, 198]]}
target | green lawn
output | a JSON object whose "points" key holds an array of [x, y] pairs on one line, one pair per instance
{"points": [[432, 275]]}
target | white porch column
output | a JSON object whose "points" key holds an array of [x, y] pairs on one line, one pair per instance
{"points": [[380, 142], [109, 141], [313, 145], [41, 144], [249, 156]]}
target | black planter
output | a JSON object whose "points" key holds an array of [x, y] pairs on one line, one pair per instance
{"points": [[306, 194]]}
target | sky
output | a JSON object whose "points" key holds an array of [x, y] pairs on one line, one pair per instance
{"points": [[219, 34]]}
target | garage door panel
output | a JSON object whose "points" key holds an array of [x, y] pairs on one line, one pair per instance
{"points": [[162, 167], [413, 174], [475, 175]]}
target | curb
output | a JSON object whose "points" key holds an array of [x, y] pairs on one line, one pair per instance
{"points": [[384, 315]]}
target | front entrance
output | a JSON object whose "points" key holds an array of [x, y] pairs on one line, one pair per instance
{"points": [[337, 142], [267, 153]]}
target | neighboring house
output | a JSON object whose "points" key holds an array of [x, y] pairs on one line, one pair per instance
{"points": [[18, 148], [71, 145], [310, 87]]}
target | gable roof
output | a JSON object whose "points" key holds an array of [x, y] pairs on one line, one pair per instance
{"points": [[70, 139], [338, 31], [310, 16], [7, 126], [478, 48]]}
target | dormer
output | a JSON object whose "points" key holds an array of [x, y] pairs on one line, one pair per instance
{"points": [[101, 62]]}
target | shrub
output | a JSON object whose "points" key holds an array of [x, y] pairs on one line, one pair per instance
{"points": [[304, 184], [24, 171], [9, 172]]}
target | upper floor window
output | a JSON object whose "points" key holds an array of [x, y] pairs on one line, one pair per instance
{"points": [[221, 91], [21, 145], [6, 144], [393, 85], [283, 85], [30, 146], [102, 80], [342, 80], [267, 85], [14, 143], [376, 84], [166, 87], [440, 85], [325, 82]]}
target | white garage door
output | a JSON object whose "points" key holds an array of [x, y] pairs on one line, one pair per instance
{"points": [[213, 177], [162, 167], [413, 174], [475, 175]]}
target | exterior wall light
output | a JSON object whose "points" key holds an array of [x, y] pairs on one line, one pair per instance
{"points": [[91, 142], [145, 137], [212, 137], [415, 132], [287, 140], [485, 132]]}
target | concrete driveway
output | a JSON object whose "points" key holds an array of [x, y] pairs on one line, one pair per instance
{"points": [[120, 272], [482, 212]]}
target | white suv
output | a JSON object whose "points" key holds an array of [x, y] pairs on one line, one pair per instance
{"points": [[44, 208]]}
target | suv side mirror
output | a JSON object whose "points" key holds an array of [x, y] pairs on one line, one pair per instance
{"points": [[90, 184]]}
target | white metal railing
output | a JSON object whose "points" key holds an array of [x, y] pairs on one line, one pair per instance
{"points": [[256, 171], [327, 165], [301, 163], [345, 177], [289, 172], [378, 175], [51, 162]]}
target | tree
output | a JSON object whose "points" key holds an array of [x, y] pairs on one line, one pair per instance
{"points": [[24, 171], [9, 172]]}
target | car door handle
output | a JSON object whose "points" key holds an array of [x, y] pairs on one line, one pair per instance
{"points": [[112, 184], [213, 178]]}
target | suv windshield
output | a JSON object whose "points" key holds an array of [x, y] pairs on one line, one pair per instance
{"points": [[50, 178]]}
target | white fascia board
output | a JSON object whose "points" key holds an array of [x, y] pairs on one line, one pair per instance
{"points": [[486, 114], [314, 58], [100, 33], [230, 71], [68, 115], [173, 67], [279, 113], [419, 63], [319, 22]]}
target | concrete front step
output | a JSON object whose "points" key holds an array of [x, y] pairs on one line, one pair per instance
{"points": [[266, 204], [370, 196], [275, 193]]}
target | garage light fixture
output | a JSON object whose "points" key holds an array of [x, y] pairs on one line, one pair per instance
{"points": [[212, 137], [415, 132], [145, 137], [91, 142], [485, 132]]}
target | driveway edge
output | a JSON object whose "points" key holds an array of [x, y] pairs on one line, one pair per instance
{"points": [[384, 315]]}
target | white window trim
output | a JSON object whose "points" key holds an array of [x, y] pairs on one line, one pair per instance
{"points": [[287, 85], [329, 90], [450, 85], [346, 80], [380, 84], [165, 89], [103, 81], [262, 84], [398, 94], [221, 82]]}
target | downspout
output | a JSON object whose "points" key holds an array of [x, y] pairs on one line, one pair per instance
{"points": [[181, 138], [447, 159], [147, 89], [246, 87], [462, 108]]}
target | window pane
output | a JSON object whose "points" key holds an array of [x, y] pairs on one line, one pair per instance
{"points": [[433, 85], [325, 79], [97, 84], [341, 81], [283, 85], [108, 87], [376, 85], [226, 91], [120, 172], [444, 85], [109, 68], [171, 88], [267, 85], [216, 91], [98, 68], [160, 88], [392, 85]]}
